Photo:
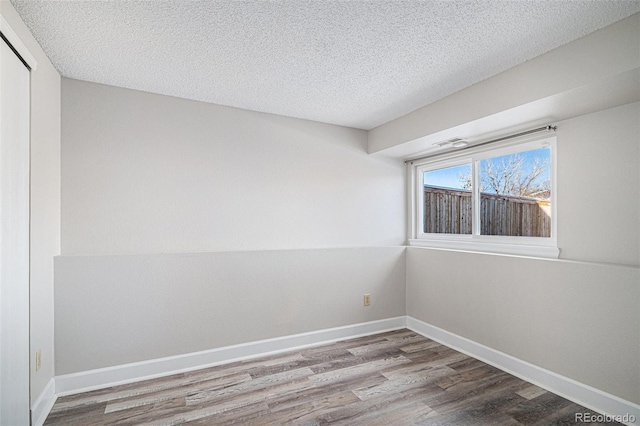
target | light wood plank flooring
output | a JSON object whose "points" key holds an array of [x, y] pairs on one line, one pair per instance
{"points": [[394, 378]]}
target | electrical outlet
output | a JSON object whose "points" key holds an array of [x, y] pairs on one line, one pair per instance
{"points": [[38, 359], [367, 299]]}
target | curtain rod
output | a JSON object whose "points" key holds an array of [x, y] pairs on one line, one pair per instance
{"points": [[515, 135]]}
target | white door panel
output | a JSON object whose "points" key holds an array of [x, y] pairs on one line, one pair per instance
{"points": [[14, 239]]}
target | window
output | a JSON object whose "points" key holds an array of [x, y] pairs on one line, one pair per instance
{"points": [[447, 202], [496, 199]]}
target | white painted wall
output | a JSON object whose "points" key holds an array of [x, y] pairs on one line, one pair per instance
{"points": [[113, 310], [257, 215], [45, 200], [578, 318], [145, 173]]}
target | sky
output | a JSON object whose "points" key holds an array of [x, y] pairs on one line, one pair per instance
{"points": [[449, 177]]}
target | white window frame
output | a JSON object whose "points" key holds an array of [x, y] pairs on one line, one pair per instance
{"points": [[546, 247]]}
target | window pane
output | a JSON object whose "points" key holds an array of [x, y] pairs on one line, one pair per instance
{"points": [[447, 200], [515, 198]]}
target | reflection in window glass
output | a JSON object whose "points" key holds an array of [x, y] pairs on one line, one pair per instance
{"points": [[447, 200], [515, 198]]}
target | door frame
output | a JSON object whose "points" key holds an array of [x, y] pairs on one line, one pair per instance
{"points": [[17, 45], [15, 345]]}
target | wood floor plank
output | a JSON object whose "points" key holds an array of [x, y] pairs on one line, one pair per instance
{"points": [[250, 415], [82, 415], [176, 391], [235, 405], [390, 343], [464, 363], [308, 411], [250, 386], [347, 373], [397, 415], [381, 405], [420, 346], [319, 392], [392, 378], [469, 378], [401, 384], [467, 395], [416, 368], [531, 391]]}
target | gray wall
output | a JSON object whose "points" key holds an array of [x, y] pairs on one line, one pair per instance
{"points": [[114, 310], [258, 216], [598, 200], [578, 318], [45, 200], [144, 173]]}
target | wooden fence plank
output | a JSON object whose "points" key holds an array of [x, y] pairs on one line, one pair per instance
{"points": [[448, 211]]}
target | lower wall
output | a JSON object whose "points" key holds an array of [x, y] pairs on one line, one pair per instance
{"points": [[112, 310], [84, 381], [580, 320], [576, 319]]}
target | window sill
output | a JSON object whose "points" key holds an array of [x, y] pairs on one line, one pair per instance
{"points": [[546, 252]]}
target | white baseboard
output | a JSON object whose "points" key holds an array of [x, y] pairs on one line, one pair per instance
{"points": [[43, 404], [84, 381], [570, 389]]}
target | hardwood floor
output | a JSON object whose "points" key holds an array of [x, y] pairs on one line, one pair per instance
{"points": [[394, 378]]}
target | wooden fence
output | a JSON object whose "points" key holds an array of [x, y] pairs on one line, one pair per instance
{"points": [[449, 211]]}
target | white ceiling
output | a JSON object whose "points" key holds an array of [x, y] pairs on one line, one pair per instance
{"points": [[353, 63]]}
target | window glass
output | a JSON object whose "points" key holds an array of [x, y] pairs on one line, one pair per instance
{"points": [[447, 200], [515, 194]]}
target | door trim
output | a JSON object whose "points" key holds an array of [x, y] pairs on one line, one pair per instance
{"points": [[17, 45], [18, 161]]}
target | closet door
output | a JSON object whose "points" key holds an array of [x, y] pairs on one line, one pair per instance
{"points": [[14, 238]]}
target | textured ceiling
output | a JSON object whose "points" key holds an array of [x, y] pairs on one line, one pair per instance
{"points": [[354, 63]]}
